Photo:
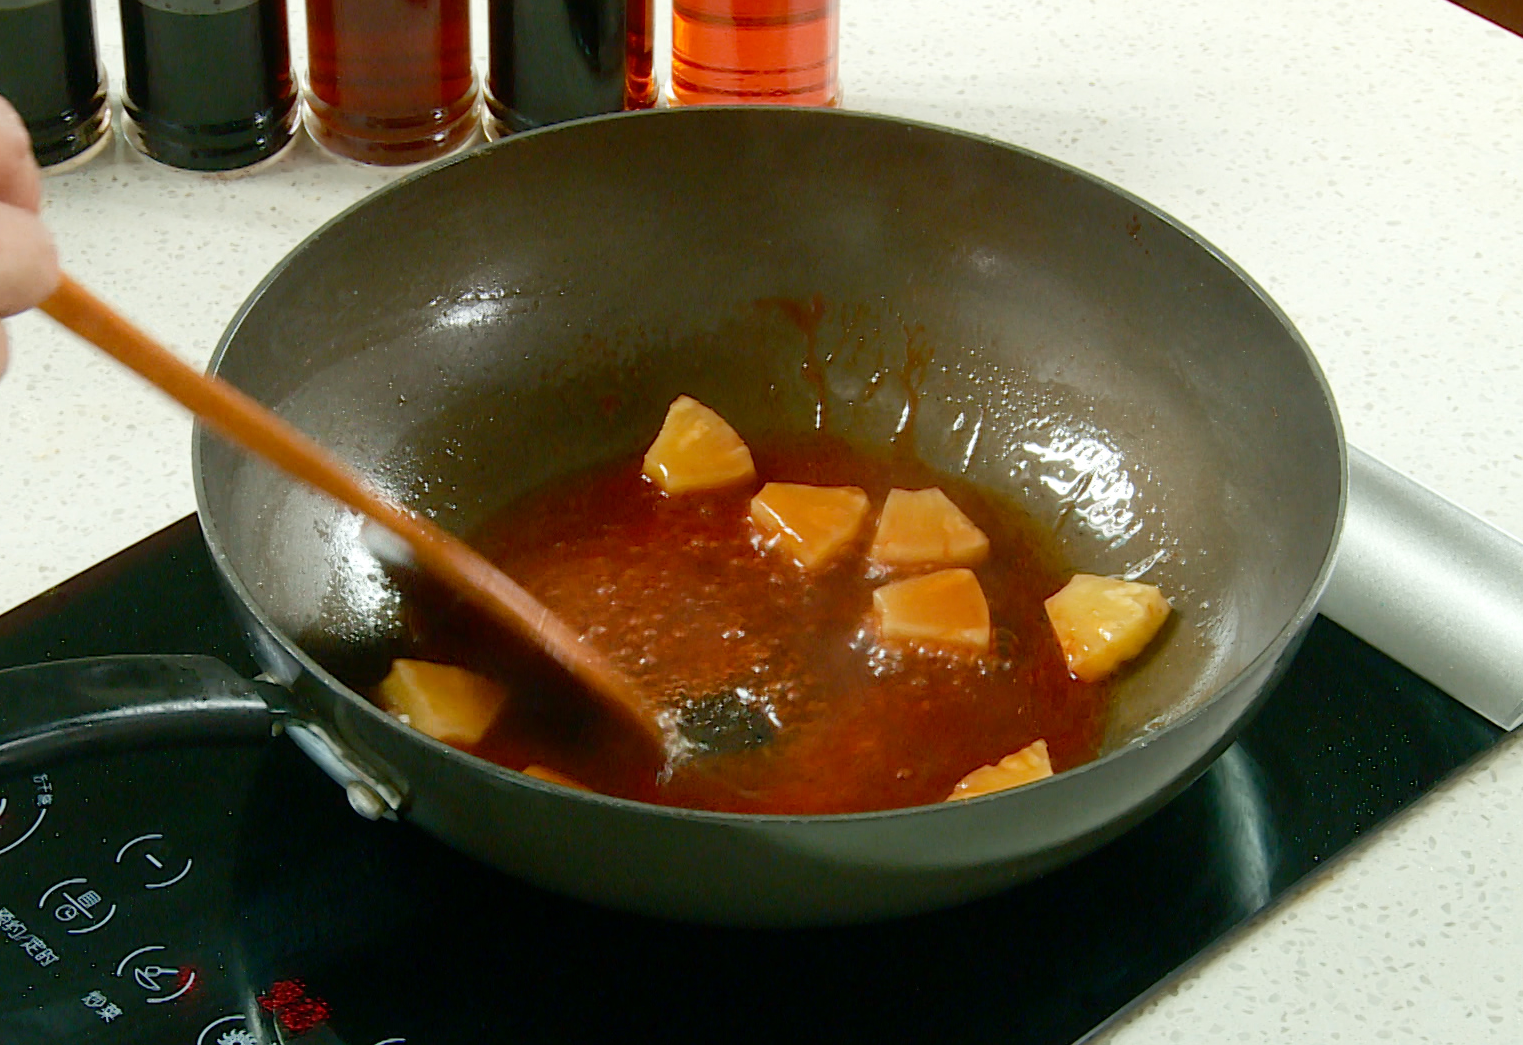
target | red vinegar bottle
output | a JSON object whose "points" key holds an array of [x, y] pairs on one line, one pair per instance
{"points": [[390, 81]]}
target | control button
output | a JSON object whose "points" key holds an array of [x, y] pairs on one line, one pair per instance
{"points": [[227, 1032], [163, 983], [43, 788], [165, 877], [147, 976], [77, 904]]}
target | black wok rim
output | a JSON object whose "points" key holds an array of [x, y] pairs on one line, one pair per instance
{"points": [[1272, 651]]}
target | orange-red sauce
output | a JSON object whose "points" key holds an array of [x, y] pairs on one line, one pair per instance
{"points": [[678, 593]]}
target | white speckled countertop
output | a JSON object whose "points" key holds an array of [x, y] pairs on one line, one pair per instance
{"points": [[1363, 161]]}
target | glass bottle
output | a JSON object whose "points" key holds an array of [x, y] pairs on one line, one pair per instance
{"points": [[390, 81], [553, 60], [776, 52], [209, 83], [50, 71], [640, 54]]}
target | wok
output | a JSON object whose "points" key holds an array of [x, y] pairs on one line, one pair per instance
{"points": [[529, 309]]}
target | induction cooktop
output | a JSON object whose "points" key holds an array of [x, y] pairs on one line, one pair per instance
{"points": [[222, 892]]}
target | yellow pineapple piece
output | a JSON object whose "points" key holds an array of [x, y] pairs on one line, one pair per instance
{"points": [[1102, 622], [924, 528], [696, 450], [1031, 763], [812, 523], [446, 702], [554, 776], [945, 608]]}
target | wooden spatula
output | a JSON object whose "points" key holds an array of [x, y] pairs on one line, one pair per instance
{"points": [[450, 560]]}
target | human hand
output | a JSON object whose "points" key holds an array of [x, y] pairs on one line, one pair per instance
{"points": [[28, 262]]}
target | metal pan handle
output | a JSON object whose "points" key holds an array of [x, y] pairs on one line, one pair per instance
{"points": [[1432, 586], [71, 707]]}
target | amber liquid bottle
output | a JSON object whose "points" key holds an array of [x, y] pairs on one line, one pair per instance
{"points": [[640, 54], [209, 83], [554, 60], [50, 72], [390, 81], [774, 52]]}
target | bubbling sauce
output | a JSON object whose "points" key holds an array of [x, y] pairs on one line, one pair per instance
{"points": [[679, 593]]}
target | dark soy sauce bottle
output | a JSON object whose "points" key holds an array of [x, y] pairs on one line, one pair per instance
{"points": [[209, 85], [50, 72], [553, 60]]}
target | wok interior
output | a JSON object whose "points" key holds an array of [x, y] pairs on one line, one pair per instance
{"points": [[531, 309]]}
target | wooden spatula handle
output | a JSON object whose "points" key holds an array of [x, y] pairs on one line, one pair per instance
{"points": [[258, 430]]}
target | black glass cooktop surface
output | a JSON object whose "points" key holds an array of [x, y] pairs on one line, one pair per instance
{"points": [[223, 893]]}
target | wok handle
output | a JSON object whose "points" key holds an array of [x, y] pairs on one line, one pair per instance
{"points": [[1433, 586], [70, 707]]}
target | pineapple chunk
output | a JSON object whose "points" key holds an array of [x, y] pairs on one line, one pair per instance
{"points": [[1102, 622], [1028, 765], [813, 523], [696, 450], [924, 528], [554, 776], [945, 608], [446, 702]]}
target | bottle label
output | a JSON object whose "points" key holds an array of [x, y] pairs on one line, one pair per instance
{"points": [[196, 7]]}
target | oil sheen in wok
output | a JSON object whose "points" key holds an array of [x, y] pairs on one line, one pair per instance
{"points": [[680, 594]]}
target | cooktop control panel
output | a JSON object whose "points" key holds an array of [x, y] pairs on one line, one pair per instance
{"points": [[127, 906]]}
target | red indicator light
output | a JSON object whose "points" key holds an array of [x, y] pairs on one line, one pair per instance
{"points": [[281, 994], [297, 1012], [304, 1015]]}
